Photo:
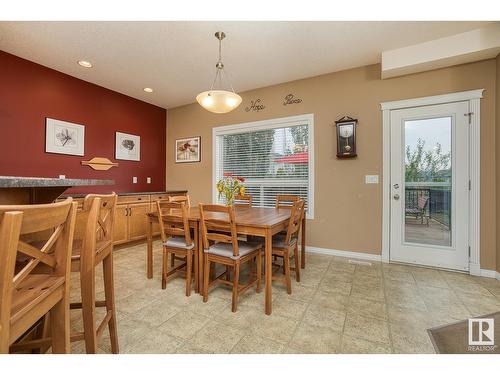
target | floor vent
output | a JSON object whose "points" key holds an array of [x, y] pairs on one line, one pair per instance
{"points": [[360, 262]]}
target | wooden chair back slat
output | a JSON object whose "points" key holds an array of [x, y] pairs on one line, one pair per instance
{"points": [[294, 224], [174, 220], [243, 200], [216, 221], [10, 229], [180, 198], [286, 200]]}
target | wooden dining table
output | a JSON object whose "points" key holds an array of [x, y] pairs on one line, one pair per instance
{"points": [[254, 221]]}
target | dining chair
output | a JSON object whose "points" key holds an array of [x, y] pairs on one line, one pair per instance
{"points": [[35, 280], [286, 245], [176, 238], [221, 246], [91, 247], [243, 200], [187, 200], [180, 198], [286, 200]]}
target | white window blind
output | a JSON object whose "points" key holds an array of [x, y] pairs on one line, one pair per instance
{"points": [[274, 157]]}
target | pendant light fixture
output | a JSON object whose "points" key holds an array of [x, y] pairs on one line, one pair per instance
{"points": [[219, 101]]}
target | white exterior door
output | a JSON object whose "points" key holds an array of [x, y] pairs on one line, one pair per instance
{"points": [[430, 185]]}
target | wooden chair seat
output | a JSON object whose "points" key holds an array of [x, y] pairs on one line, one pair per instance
{"points": [[178, 242], [31, 292], [224, 249]]}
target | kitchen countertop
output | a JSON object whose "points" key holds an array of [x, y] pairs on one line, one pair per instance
{"points": [[82, 195], [36, 182]]}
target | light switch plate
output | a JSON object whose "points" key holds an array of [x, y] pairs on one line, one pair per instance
{"points": [[134, 180], [148, 180], [371, 179]]}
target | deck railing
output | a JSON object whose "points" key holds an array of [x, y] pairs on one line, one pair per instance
{"points": [[438, 207]]}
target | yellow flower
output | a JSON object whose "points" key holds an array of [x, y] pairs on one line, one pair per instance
{"points": [[242, 190]]}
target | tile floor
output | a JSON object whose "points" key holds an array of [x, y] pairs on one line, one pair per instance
{"points": [[338, 307]]}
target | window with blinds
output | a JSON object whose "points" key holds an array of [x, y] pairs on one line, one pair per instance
{"points": [[274, 157]]}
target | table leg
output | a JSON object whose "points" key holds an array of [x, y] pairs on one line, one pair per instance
{"points": [[303, 245], [196, 263], [150, 248], [200, 261], [269, 272]]}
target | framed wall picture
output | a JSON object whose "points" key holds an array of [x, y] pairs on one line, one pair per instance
{"points": [[127, 147], [188, 150], [62, 137]]}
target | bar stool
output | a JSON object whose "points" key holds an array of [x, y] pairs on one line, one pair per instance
{"points": [[96, 247], [39, 284]]}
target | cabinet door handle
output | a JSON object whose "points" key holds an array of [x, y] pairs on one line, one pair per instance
{"points": [[129, 212]]}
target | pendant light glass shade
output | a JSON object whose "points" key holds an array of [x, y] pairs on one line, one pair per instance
{"points": [[219, 101]]}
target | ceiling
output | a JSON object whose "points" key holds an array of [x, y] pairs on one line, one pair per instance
{"points": [[177, 59]]}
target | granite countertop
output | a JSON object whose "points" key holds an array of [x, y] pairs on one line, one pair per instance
{"points": [[82, 195], [23, 182]]}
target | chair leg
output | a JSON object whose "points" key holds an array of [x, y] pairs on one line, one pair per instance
{"points": [[286, 266], [59, 326], [206, 277], [228, 273], [109, 293], [164, 269], [87, 281], [189, 266], [296, 258], [172, 261], [235, 286], [258, 262], [196, 270]]}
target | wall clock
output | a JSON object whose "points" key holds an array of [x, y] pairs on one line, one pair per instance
{"points": [[346, 137]]}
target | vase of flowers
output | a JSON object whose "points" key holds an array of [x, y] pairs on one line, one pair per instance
{"points": [[230, 186]]}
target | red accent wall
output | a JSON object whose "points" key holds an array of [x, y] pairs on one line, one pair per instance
{"points": [[30, 92]]}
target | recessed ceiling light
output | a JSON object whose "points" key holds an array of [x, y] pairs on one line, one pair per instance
{"points": [[148, 89], [85, 64]]}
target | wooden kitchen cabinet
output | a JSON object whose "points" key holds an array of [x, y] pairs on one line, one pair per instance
{"points": [[130, 216], [138, 221], [120, 234]]}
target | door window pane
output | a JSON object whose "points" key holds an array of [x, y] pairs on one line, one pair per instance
{"points": [[428, 181]]}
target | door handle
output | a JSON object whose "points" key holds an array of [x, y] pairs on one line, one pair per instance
{"points": [[396, 196]]}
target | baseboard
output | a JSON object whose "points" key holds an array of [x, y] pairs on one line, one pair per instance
{"points": [[489, 273], [498, 276], [342, 253]]}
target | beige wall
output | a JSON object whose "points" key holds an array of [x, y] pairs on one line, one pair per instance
{"points": [[497, 156], [347, 211]]}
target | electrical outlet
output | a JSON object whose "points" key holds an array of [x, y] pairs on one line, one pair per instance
{"points": [[134, 180], [371, 179], [62, 176], [148, 180]]}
